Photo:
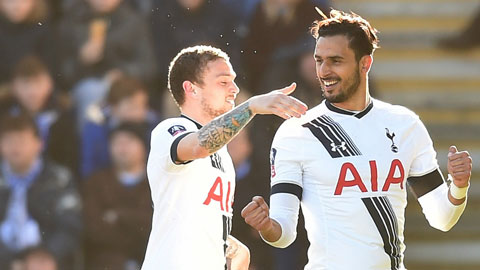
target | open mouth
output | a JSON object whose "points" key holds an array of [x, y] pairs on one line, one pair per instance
{"points": [[329, 84]]}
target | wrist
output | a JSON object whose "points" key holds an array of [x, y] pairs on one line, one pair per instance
{"points": [[458, 193]]}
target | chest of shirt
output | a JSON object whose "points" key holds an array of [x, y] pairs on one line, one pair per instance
{"points": [[356, 158], [212, 182]]}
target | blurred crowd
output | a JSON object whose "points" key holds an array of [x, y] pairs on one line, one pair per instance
{"points": [[83, 83]]}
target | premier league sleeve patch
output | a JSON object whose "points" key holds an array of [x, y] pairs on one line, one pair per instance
{"points": [[174, 130]]}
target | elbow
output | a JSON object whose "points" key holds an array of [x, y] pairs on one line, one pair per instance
{"points": [[442, 227]]}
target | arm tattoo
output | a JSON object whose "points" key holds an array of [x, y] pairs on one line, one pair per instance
{"points": [[222, 129]]}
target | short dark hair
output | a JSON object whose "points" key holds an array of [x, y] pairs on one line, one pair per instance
{"points": [[21, 122], [122, 88], [362, 36], [189, 65], [138, 130], [28, 67]]}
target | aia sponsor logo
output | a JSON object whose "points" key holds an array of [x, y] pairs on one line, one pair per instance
{"points": [[396, 175]]}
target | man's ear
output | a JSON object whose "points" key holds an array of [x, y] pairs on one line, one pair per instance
{"points": [[189, 89], [366, 63]]}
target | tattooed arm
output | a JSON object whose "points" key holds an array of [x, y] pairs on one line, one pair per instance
{"points": [[221, 130]]}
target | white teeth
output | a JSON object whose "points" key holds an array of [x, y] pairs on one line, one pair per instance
{"points": [[328, 83]]}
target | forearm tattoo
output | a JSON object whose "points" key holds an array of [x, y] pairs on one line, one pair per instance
{"points": [[222, 129]]}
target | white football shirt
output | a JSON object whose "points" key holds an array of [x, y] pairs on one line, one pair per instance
{"points": [[192, 203], [349, 171]]}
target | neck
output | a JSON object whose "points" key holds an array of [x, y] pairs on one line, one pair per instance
{"points": [[22, 169], [195, 113], [132, 169], [358, 102]]}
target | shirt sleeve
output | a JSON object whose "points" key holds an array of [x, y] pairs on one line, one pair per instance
{"points": [[428, 185], [286, 185], [165, 139]]}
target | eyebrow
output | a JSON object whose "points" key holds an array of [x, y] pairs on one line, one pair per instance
{"points": [[334, 57], [226, 75]]}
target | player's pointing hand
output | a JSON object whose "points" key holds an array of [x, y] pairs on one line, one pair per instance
{"points": [[459, 166], [278, 102]]}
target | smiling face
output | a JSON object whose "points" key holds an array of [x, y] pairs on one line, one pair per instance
{"points": [[218, 90], [337, 68]]}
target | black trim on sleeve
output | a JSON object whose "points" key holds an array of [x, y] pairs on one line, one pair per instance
{"points": [[421, 185], [287, 188], [173, 149]]}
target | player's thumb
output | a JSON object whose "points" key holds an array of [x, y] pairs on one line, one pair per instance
{"points": [[289, 89], [452, 150]]}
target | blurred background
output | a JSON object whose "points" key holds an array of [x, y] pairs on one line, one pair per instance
{"points": [[83, 83]]}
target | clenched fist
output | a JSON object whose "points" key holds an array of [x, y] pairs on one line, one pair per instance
{"points": [[256, 214], [459, 167]]}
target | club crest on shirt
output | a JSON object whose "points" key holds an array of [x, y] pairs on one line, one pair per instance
{"points": [[273, 153], [391, 136], [174, 130]]}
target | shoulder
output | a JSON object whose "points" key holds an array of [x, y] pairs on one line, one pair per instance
{"points": [[173, 126], [297, 124], [396, 110]]}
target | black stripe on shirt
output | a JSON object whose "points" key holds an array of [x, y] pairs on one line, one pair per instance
{"points": [[174, 147], [421, 185], [340, 132], [289, 188], [333, 137], [384, 218], [323, 139]]}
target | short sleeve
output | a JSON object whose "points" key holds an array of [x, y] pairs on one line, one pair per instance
{"points": [[165, 139], [425, 157]]}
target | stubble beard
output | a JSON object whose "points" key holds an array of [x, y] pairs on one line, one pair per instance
{"points": [[352, 84], [212, 113]]}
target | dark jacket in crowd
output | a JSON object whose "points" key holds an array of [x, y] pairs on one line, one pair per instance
{"points": [[174, 28], [267, 41], [111, 244], [128, 45], [20, 40], [54, 203]]}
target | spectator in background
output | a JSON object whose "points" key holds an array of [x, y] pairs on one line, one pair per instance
{"points": [[251, 180], [127, 100], [118, 207], [178, 24], [102, 39], [276, 31], [24, 30], [39, 204], [32, 91]]}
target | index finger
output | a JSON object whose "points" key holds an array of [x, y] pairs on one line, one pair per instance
{"points": [[458, 155], [261, 202]]}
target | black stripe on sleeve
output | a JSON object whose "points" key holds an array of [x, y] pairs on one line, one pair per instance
{"points": [[173, 149], [421, 185], [287, 188]]}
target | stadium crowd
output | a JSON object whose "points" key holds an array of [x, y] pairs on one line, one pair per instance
{"points": [[83, 83]]}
